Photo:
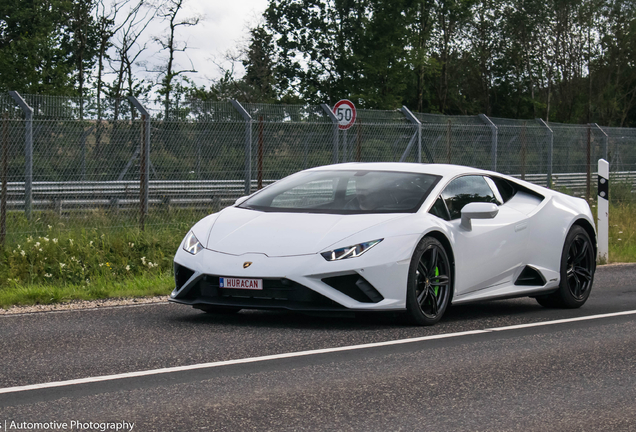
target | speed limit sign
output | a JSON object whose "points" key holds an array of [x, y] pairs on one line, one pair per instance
{"points": [[345, 112]]}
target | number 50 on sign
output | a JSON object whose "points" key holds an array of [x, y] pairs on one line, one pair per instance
{"points": [[345, 112]]}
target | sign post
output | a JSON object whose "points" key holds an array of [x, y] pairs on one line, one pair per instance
{"points": [[345, 112], [602, 225]]}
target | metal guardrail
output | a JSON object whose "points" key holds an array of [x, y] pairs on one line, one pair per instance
{"points": [[119, 195], [576, 183], [66, 196]]}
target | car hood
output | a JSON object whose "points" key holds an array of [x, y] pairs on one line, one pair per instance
{"points": [[238, 231]]}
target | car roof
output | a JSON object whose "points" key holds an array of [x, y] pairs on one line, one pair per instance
{"points": [[444, 170]]}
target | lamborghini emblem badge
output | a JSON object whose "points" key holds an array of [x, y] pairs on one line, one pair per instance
{"points": [[246, 264]]}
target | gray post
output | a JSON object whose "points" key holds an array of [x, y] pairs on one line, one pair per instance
{"points": [[418, 125], [605, 140], [550, 141], [28, 153], [334, 120], [144, 165], [493, 142], [248, 144], [345, 146], [84, 136]]}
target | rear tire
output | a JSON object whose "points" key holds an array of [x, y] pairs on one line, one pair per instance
{"points": [[429, 283], [578, 265]]}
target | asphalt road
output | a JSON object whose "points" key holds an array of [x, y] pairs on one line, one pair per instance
{"points": [[568, 376]]}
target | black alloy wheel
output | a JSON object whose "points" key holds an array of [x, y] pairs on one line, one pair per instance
{"points": [[580, 267], [578, 264], [430, 281]]}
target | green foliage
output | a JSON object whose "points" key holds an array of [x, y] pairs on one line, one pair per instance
{"points": [[570, 62], [32, 59], [140, 286], [621, 192], [54, 259], [46, 46], [79, 257], [622, 232]]}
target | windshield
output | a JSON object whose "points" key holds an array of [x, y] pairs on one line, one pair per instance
{"points": [[345, 192]]}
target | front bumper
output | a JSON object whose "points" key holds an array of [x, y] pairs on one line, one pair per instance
{"points": [[375, 281]]}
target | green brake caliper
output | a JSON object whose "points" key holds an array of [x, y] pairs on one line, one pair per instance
{"points": [[436, 274]]}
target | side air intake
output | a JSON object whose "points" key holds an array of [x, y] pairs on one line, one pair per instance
{"points": [[530, 276], [356, 287]]}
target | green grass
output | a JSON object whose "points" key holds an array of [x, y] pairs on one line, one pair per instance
{"points": [[622, 233], [55, 259], [622, 222], [139, 286]]}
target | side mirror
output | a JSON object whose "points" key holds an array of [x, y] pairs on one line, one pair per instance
{"points": [[477, 210], [241, 200]]}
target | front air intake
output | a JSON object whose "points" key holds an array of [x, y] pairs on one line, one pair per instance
{"points": [[356, 287], [181, 275]]}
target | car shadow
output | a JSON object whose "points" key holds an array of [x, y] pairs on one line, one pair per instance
{"points": [[492, 308], [502, 310]]}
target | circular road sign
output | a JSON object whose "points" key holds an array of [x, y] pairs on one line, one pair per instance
{"points": [[345, 112]]}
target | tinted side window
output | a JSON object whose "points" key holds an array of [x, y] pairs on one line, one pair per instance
{"points": [[464, 190], [439, 209], [506, 189]]}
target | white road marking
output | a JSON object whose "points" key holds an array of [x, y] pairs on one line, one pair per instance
{"points": [[299, 354]]}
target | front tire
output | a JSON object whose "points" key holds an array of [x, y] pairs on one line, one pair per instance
{"points": [[429, 284], [578, 265]]}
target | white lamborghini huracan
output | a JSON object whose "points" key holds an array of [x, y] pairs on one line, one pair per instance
{"points": [[389, 236]]}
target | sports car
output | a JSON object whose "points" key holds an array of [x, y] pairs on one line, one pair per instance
{"points": [[389, 237]]}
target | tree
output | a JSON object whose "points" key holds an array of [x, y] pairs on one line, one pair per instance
{"points": [[615, 86], [128, 50], [82, 42], [258, 60], [32, 59], [106, 30], [420, 36], [168, 11], [325, 34]]}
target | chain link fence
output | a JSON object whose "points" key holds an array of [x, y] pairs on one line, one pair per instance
{"points": [[84, 159]]}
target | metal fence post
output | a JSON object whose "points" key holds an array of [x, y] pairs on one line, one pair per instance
{"points": [[28, 153], [550, 142], [334, 120], [493, 142], [605, 140], [144, 167], [418, 125], [248, 144], [4, 175]]}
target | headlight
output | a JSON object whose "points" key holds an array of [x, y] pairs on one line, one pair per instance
{"points": [[192, 244], [349, 251]]}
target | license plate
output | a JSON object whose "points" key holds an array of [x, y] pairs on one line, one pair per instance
{"points": [[240, 283]]}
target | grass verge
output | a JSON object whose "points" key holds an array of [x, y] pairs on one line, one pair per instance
{"points": [[622, 233], [140, 286]]}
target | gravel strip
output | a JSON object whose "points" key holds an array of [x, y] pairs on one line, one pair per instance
{"points": [[83, 304]]}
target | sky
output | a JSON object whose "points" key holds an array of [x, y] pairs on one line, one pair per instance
{"points": [[224, 26]]}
